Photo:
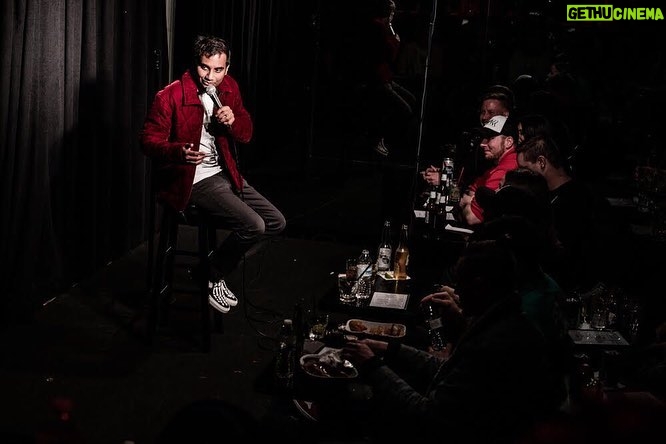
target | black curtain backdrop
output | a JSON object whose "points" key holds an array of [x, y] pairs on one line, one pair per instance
{"points": [[75, 82]]}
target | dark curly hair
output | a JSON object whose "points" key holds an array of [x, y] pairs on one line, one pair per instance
{"points": [[207, 46]]}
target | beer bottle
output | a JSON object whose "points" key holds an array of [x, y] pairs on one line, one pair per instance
{"points": [[454, 193], [401, 260], [385, 249], [431, 206], [444, 196], [285, 361]]}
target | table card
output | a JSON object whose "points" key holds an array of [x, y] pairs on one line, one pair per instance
{"points": [[597, 337], [450, 227], [389, 300]]}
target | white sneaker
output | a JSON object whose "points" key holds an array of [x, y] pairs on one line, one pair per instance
{"points": [[216, 296], [231, 298], [381, 148]]}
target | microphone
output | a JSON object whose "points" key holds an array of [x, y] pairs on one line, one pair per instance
{"points": [[212, 92]]}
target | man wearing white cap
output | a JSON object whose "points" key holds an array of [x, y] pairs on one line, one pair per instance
{"points": [[499, 139]]}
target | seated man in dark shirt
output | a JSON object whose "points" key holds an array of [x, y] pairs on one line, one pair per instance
{"points": [[498, 378], [581, 219]]}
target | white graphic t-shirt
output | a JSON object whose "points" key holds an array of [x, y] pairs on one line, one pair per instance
{"points": [[210, 165]]}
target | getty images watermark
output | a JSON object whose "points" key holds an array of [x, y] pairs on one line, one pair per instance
{"points": [[607, 13]]}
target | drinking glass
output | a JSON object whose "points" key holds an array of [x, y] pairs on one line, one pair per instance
{"points": [[318, 326], [350, 269], [345, 289]]}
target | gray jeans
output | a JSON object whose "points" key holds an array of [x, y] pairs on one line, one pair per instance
{"points": [[248, 215]]}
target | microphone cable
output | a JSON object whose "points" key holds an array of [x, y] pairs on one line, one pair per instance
{"points": [[276, 316]]}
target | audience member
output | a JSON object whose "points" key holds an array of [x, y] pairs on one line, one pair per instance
{"points": [[391, 105], [497, 101], [517, 186], [580, 218], [531, 125], [499, 137], [541, 297], [470, 397]]}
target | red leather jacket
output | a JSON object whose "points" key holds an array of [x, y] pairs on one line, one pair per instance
{"points": [[176, 118]]}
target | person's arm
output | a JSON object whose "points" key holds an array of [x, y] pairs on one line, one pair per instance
{"points": [[467, 203], [473, 213], [241, 127], [156, 132], [469, 215]]}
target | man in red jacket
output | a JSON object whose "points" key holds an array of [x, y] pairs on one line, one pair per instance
{"points": [[190, 133]]}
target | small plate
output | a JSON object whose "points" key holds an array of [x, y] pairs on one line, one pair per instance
{"points": [[389, 276], [318, 366], [383, 329]]}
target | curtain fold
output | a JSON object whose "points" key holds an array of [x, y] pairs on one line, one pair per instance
{"points": [[76, 79]]}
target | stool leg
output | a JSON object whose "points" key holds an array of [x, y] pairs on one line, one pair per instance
{"points": [[162, 274], [204, 249], [212, 244]]}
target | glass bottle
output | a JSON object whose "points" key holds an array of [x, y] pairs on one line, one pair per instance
{"points": [[298, 325], [443, 202], [443, 189], [454, 193], [431, 206], [364, 275], [448, 166], [385, 251], [435, 327], [572, 310], [286, 358], [401, 261]]}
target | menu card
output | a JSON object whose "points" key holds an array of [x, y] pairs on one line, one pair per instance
{"points": [[389, 300]]}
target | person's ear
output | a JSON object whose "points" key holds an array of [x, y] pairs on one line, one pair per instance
{"points": [[541, 161]]}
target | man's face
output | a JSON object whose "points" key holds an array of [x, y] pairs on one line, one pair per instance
{"points": [[532, 166], [521, 135], [491, 108], [494, 147], [211, 70]]}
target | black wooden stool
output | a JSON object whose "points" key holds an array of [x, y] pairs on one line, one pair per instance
{"points": [[160, 270]]}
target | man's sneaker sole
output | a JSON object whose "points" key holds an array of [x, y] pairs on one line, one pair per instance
{"points": [[217, 306], [381, 150]]}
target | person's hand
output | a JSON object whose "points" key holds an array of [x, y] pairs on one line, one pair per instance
{"points": [[466, 199], [358, 352], [378, 347], [431, 175], [225, 116], [442, 354], [446, 300], [191, 156]]}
